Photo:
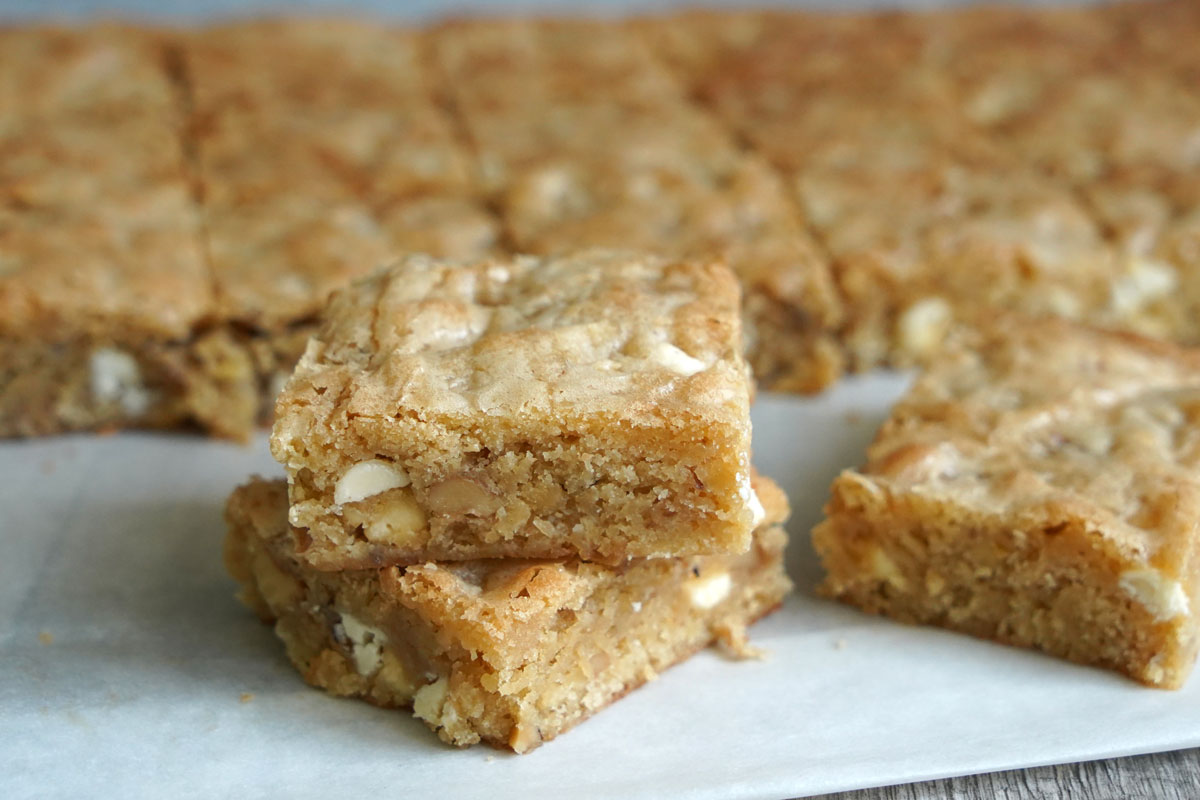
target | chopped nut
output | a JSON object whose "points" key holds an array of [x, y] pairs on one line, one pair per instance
{"points": [[886, 569], [923, 325], [524, 738], [278, 589], [394, 518], [368, 478], [456, 497], [394, 676], [430, 700]]}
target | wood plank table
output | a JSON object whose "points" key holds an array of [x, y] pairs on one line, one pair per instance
{"points": [[1157, 776]]}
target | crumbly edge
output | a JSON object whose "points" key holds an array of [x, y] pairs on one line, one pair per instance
{"points": [[492, 492], [1056, 586], [222, 381], [358, 634], [787, 349]]}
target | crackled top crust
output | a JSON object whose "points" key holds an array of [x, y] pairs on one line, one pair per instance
{"points": [[1048, 420], [600, 335], [93, 72], [98, 231]]}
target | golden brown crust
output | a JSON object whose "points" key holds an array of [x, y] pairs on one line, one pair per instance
{"points": [[919, 147], [1035, 457], [321, 151], [594, 404], [510, 652], [588, 141], [873, 179]]}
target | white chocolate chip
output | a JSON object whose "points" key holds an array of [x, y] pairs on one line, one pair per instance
{"points": [[1146, 281], [429, 701], [757, 512], [708, 590], [671, 357], [366, 644], [750, 498], [923, 325], [1163, 598], [367, 479], [886, 569], [116, 378], [1061, 302]]}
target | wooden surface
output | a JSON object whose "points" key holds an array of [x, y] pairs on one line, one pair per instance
{"points": [[1161, 776]]}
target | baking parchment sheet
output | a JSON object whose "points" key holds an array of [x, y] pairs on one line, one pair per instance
{"points": [[127, 669]]}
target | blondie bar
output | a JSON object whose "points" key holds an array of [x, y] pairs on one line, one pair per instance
{"points": [[586, 140], [177, 206], [103, 281], [320, 150], [594, 405], [1039, 486], [509, 652]]}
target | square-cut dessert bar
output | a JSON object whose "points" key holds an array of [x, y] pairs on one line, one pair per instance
{"points": [[586, 140], [1039, 485], [593, 406], [509, 652], [102, 273], [893, 131], [319, 149], [175, 208]]}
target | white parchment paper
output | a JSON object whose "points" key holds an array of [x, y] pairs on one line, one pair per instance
{"points": [[127, 669]]}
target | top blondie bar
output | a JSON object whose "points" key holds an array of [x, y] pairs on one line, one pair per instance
{"points": [[593, 405]]}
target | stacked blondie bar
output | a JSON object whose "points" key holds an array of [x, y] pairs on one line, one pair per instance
{"points": [[516, 490]]}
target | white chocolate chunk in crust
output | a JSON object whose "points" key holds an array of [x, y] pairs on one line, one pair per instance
{"points": [[1146, 281], [429, 700], [368, 478], [757, 512], [116, 378], [706, 591], [924, 324], [676, 360], [366, 644], [1163, 597]]}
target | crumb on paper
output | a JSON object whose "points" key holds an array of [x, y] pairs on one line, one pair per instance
{"points": [[246, 697], [490, 759], [853, 416], [839, 644], [734, 643], [45, 637]]}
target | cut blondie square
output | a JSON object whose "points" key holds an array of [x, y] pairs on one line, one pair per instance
{"points": [[593, 406], [509, 652], [1040, 486]]}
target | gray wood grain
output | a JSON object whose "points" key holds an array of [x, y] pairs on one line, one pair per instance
{"points": [[1159, 776]]}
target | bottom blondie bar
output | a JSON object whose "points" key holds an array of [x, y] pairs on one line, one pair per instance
{"points": [[1040, 486], [511, 652]]}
